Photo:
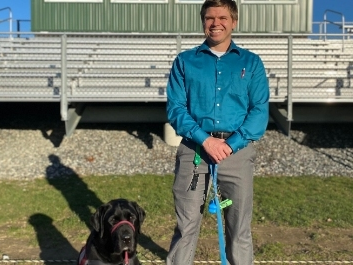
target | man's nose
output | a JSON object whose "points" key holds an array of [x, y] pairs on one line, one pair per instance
{"points": [[216, 21]]}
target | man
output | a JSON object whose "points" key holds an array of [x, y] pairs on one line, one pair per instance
{"points": [[217, 99]]}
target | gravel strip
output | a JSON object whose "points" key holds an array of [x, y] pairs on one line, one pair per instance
{"points": [[37, 147]]}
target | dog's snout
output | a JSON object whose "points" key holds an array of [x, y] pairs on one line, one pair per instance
{"points": [[127, 239]]}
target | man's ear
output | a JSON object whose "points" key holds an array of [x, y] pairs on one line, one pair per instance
{"points": [[234, 24]]}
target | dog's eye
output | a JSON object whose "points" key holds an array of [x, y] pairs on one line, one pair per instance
{"points": [[114, 219], [132, 218]]}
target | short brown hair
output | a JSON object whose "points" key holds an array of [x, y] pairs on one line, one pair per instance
{"points": [[230, 4]]}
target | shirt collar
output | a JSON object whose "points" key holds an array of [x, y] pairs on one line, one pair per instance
{"points": [[232, 48]]}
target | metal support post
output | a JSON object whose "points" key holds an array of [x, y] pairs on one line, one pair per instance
{"points": [[290, 80], [63, 101]]}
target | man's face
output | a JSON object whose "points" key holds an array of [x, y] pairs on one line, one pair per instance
{"points": [[218, 26]]}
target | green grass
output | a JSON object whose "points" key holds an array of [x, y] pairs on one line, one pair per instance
{"points": [[304, 201], [60, 209]]}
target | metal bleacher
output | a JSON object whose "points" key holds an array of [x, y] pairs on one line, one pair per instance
{"points": [[79, 69]]}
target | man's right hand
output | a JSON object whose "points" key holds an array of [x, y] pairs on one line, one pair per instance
{"points": [[217, 149]]}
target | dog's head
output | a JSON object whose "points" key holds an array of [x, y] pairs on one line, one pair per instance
{"points": [[118, 224]]}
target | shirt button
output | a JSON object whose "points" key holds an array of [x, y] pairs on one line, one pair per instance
{"points": [[217, 105], [217, 121], [219, 72], [219, 88]]}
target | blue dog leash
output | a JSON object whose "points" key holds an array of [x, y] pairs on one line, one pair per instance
{"points": [[215, 207]]}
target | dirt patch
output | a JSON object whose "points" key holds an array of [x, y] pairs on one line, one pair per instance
{"points": [[308, 243], [291, 244]]}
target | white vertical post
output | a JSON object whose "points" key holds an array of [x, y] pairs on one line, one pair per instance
{"points": [[63, 102], [290, 80]]}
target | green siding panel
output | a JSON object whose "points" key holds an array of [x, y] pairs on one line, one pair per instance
{"points": [[265, 18], [166, 17]]}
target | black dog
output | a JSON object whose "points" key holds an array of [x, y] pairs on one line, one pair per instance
{"points": [[113, 239]]}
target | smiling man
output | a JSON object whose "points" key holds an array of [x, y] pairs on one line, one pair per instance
{"points": [[217, 100]]}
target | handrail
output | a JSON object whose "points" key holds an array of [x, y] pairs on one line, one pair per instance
{"points": [[8, 19], [334, 23]]}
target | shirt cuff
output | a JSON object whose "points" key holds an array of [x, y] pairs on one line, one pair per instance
{"points": [[236, 142], [200, 136]]}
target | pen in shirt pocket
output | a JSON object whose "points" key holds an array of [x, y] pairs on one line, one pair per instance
{"points": [[242, 73]]}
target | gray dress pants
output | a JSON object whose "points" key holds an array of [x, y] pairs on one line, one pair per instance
{"points": [[235, 180]]}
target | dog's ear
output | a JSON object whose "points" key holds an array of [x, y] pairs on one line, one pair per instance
{"points": [[141, 215], [97, 219]]}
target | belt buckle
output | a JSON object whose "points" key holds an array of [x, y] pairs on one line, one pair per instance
{"points": [[219, 135]]}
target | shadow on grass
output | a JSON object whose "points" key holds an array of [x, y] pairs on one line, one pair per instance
{"points": [[77, 194], [52, 243], [80, 199]]}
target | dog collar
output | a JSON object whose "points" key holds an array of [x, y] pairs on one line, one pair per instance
{"points": [[122, 223]]}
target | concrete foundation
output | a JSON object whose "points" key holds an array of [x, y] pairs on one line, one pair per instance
{"points": [[170, 137]]}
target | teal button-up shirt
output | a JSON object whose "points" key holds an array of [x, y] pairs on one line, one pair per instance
{"points": [[206, 93]]}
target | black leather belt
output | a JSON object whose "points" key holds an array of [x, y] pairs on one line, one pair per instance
{"points": [[221, 135]]}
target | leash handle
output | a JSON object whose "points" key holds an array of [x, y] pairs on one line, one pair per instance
{"points": [[222, 249]]}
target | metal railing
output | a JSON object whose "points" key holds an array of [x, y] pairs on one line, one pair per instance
{"points": [[344, 26], [9, 19], [333, 22]]}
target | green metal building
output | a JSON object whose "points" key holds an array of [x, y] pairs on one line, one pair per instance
{"points": [[165, 16]]}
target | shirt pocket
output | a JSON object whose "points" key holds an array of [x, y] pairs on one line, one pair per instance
{"points": [[239, 85]]}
